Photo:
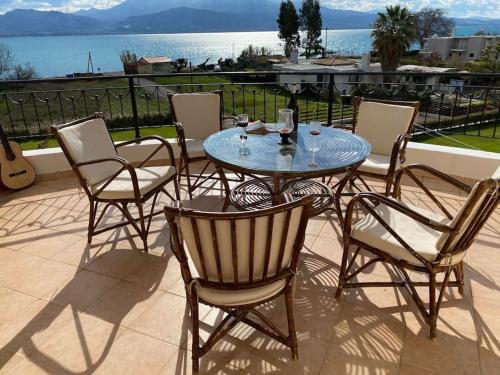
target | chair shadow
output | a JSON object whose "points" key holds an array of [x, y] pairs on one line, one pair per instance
{"points": [[23, 340]]}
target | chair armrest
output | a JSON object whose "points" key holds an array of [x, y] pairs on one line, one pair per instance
{"points": [[396, 205], [434, 172], [368, 200], [162, 141], [181, 138]]}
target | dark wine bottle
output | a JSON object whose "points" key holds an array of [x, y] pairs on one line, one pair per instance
{"points": [[294, 105]]}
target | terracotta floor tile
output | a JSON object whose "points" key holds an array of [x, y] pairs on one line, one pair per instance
{"points": [[117, 263], [181, 364], [124, 303], [82, 345], [45, 280], [168, 319], [82, 290], [15, 235], [8, 360], [133, 353], [450, 351], [160, 272], [81, 254], [32, 327], [50, 244]]}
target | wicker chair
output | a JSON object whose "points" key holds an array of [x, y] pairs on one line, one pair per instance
{"points": [[111, 180], [196, 116], [412, 238], [387, 125], [237, 261]]}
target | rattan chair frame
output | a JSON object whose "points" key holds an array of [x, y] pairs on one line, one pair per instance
{"points": [[240, 313], [142, 223], [184, 160], [366, 202], [398, 152]]}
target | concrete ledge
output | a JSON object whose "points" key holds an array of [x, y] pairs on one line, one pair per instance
{"points": [[460, 162]]}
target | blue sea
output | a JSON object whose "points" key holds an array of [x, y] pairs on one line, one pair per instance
{"points": [[60, 55]]}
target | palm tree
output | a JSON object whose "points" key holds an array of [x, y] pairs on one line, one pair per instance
{"points": [[393, 33]]}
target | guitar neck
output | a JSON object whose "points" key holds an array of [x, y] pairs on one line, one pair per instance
{"points": [[6, 145]]}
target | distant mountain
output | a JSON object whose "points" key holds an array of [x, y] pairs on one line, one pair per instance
{"points": [[32, 22], [150, 16], [346, 19], [181, 20], [131, 8]]}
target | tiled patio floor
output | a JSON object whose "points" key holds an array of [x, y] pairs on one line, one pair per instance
{"points": [[66, 307]]}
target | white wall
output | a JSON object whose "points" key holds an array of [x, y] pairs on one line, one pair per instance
{"points": [[452, 160]]}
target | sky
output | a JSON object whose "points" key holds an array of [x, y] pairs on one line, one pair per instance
{"points": [[455, 8]]}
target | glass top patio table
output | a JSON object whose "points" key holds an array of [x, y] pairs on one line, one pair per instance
{"points": [[288, 168], [338, 151]]}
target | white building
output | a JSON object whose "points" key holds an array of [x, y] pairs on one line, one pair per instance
{"points": [[429, 74], [155, 64], [461, 49], [322, 70]]}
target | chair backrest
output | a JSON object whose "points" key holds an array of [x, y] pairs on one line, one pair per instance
{"points": [[85, 140], [382, 121], [200, 114], [242, 247], [480, 204]]}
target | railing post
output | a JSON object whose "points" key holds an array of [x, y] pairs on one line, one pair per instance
{"points": [[133, 102], [330, 99]]}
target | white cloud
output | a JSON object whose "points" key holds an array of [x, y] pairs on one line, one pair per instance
{"points": [[59, 5], [455, 8]]}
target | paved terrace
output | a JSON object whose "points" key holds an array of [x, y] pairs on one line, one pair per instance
{"points": [[70, 308]]}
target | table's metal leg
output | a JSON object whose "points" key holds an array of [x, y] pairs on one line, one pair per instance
{"points": [[225, 183]]}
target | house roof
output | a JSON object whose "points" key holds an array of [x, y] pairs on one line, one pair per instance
{"points": [[154, 60], [424, 69]]}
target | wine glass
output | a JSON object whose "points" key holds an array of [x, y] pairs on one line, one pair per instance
{"points": [[285, 124], [242, 121], [314, 130]]}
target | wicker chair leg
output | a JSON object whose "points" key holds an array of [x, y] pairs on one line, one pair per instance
{"points": [[343, 270], [177, 190], [144, 233], [388, 187], [196, 333], [459, 276], [432, 305], [292, 334], [188, 177], [91, 222]]}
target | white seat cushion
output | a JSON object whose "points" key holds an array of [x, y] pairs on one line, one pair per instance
{"points": [[90, 140], [195, 148], [241, 297], [422, 239], [122, 188], [378, 164]]}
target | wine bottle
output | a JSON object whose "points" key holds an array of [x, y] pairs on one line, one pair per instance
{"points": [[294, 105]]}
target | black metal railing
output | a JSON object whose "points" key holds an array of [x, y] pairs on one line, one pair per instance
{"points": [[470, 106]]}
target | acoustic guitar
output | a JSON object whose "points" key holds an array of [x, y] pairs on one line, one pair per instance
{"points": [[15, 172]]}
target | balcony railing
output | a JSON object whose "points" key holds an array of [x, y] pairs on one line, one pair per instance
{"points": [[469, 105]]}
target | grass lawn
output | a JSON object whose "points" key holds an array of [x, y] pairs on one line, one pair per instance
{"points": [[485, 142], [118, 136]]}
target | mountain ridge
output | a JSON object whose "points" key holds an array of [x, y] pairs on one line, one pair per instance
{"points": [[183, 20]]}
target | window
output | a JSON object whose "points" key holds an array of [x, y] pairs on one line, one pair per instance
{"points": [[449, 55], [471, 54]]}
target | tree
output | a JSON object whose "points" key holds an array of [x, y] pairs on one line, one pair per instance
{"points": [[393, 32], [310, 15], [488, 62], [180, 64], [26, 71], [432, 21], [6, 59], [129, 61], [289, 23]]}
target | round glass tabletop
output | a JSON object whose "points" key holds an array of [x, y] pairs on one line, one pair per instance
{"points": [[261, 154]]}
